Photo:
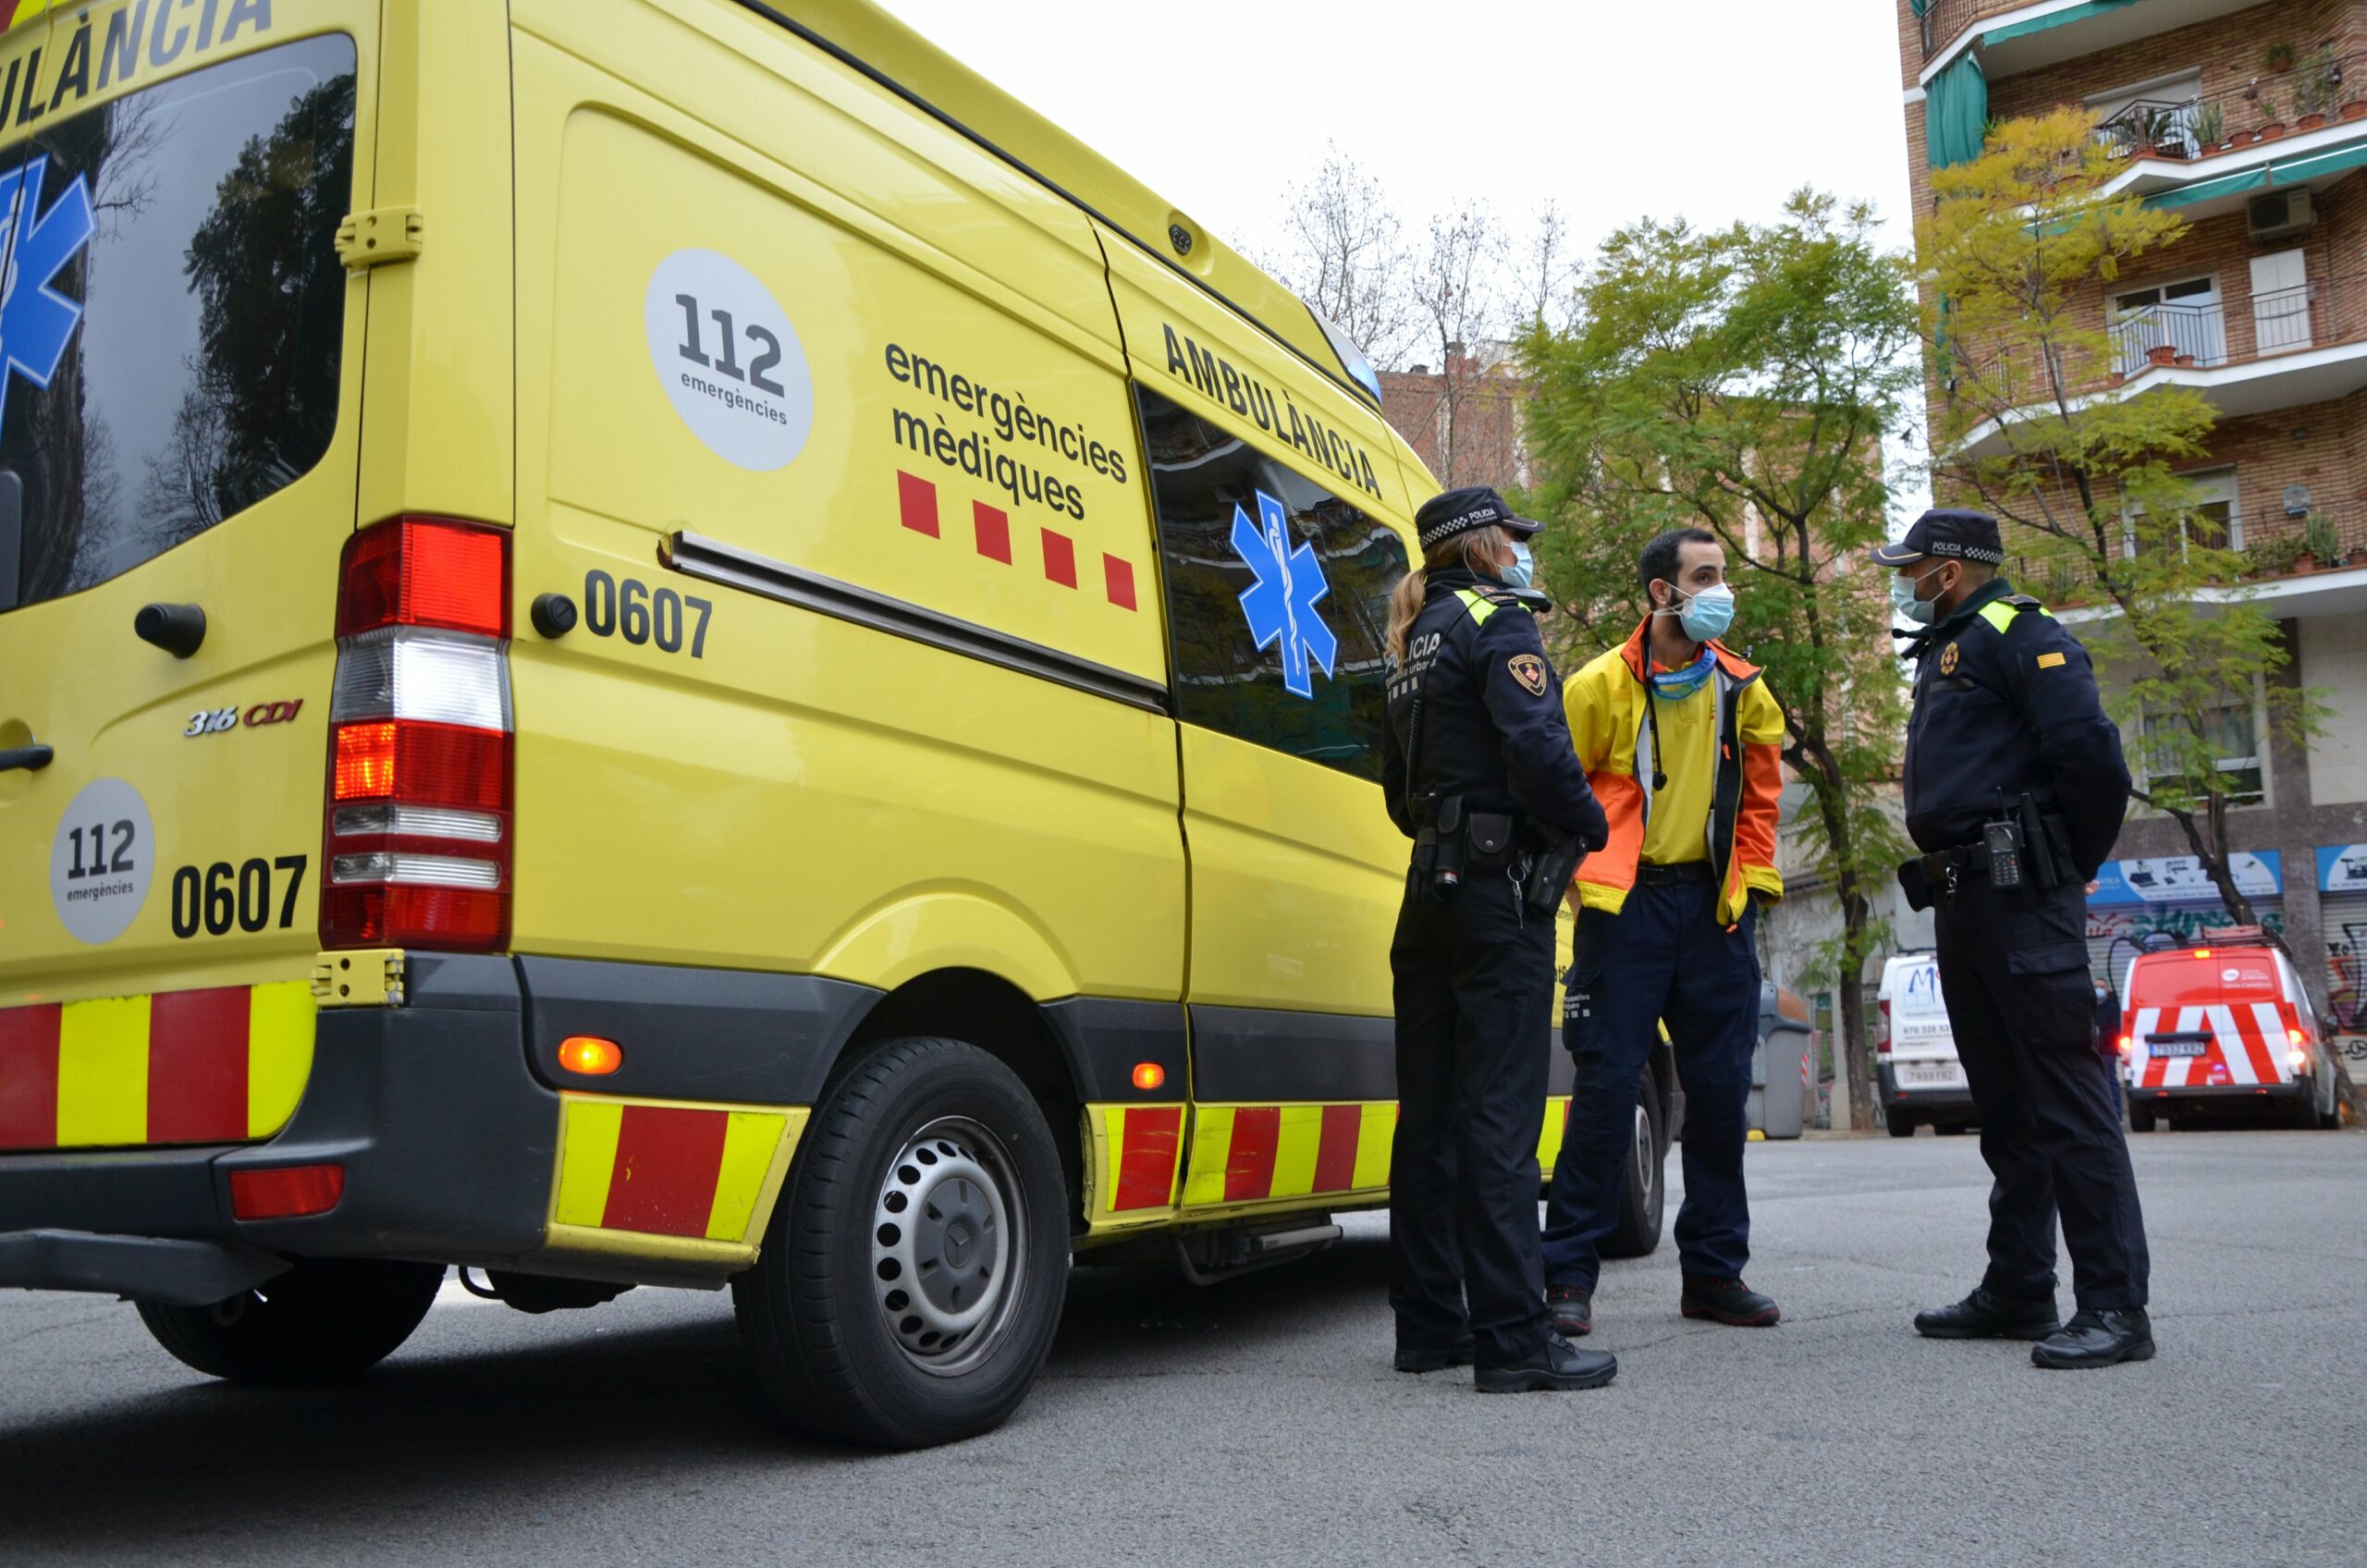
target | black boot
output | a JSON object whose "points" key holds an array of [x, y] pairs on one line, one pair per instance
{"points": [[1560, 1365], [1569, 1310], [2098, 1339], [1420, 1358], [1984, 1315], [1728, 1300]]}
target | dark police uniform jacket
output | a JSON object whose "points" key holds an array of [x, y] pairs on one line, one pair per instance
{"points": [[1493, 728], [2006, 699]]}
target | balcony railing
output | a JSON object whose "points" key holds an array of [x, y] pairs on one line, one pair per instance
{"points": [[2321, 87], [1942, 20], [2271, 545], [2316, 313]]}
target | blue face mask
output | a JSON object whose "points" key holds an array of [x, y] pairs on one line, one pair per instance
{"points": [[1922, 612], [1706, 614], [1524, 568]]}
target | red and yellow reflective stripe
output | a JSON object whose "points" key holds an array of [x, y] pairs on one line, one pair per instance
{"points": [[665, 1169], [16, 12], [1255, 1153], [226, 1064], [1136, 1148]]}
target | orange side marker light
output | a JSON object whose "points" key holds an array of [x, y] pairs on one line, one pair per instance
{"points": [[590, 1055], [1150, 1076]]}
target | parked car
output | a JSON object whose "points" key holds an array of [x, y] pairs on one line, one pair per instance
{"points": [[2225, 1028], [1919, 1079]]}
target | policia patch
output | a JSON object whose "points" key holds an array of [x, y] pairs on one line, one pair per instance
{"points": [[1948, 659], [1529, 670]]}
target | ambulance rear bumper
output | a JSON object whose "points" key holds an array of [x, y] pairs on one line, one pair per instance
{"points": [[446, 1138], [2293, 1089]]}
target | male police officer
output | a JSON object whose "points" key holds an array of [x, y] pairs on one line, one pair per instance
{"points": [[1477, 768], [2015, 789]]}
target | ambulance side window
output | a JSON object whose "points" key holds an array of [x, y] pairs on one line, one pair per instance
{"points": [[1253, 668]]}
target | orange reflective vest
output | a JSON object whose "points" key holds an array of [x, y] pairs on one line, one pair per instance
{"points": [[1609, 721]]}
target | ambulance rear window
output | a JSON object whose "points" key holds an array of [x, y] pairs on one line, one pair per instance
{"points": [[173, 312]]}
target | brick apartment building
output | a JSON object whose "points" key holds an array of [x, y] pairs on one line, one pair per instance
{"points": [[1463, 417], [2251, 121]]}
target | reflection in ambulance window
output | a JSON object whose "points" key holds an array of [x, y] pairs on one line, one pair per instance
{"points": [[1224, 680]]}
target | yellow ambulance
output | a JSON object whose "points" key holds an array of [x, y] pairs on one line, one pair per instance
{"points": [[663, 642]]}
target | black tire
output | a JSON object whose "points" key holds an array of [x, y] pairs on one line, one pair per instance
{"points": [[2140, 1116], [1643, 1194], [832, 1315], [2330, 1115], [1901, 1123], [325, 1320]]}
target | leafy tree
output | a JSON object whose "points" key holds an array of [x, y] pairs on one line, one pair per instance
{"points": [[1741, 380], [2027, 423]]}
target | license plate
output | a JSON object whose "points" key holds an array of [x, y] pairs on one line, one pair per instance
{"points": [[1928, 1074], [2175, 1048]]}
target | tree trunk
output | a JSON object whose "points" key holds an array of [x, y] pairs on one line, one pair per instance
{"points": [[1855, 913]]}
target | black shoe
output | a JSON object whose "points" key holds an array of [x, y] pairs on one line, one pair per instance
{"points": [[1569, 1310], [1561, 1365], [2097, 1339], [1728, 1300], [1985, 1315], [1415, 1358]]}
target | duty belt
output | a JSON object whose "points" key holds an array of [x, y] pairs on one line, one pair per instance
{"points": [[1651, 875]]}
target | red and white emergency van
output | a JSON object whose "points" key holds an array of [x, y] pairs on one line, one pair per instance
{"points": [[2224, 1027]]}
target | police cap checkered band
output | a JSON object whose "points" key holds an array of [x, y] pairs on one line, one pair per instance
{"points": [[1948, 533], [1458, 511]]}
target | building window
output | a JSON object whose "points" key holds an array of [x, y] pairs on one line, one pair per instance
{"points": [[2185, 317], [2231, 732]]}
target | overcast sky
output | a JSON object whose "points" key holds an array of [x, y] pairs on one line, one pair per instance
{"points": [[1714, 109]]}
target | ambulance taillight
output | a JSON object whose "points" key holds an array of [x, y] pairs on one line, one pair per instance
{"points": [[420, 769]]}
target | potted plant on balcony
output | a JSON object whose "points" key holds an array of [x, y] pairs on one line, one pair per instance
{"points": [[2161, 354], [2279, 58], [2279, 554], [2210, 127], [2352, 109], [2320, 539], [2319, 89]]}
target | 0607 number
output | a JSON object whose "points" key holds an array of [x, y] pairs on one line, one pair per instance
{"points": [[629, 610], [224, 896]]}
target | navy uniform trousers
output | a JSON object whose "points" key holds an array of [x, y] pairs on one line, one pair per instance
{"points": [[2014, 970], [1474, 983], [1662, 958]]}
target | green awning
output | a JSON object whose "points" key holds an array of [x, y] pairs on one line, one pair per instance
{"points": [[2333, 160], [2208, 189], [1955, 112], [2052, 19]]}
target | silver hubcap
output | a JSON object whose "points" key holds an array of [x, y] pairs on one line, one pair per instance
{"points": [[1646, 1165], [947, 1245]]}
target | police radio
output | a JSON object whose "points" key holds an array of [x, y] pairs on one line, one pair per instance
{"points": [[2003, 842]]}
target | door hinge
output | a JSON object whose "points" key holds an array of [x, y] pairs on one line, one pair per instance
{"points": [[380, 236], [372, 978]]}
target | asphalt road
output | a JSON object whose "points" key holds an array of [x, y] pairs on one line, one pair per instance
{"points": [[1259, 1422]]}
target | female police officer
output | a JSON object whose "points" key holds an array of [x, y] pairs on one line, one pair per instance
{"points": [[1480, 773]]}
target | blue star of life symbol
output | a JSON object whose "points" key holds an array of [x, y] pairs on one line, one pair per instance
{"points": [[1280, 606], [36, 321]]}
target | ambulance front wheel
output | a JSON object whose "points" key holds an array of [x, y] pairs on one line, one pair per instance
{"points": [[911, 1275], [322, 1320]]}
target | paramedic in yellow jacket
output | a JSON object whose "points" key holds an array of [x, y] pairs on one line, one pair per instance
{"points": [[1680, 741]]}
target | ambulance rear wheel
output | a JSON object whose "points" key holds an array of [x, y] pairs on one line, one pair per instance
{"points": [[322, 1320], [2140, 1116], [1642, 1196], [911, 1276]]}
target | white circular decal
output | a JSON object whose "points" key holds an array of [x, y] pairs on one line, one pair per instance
{"points": [[102, 860], [728, 360]]}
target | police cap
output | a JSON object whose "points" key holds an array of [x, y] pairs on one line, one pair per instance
{"points": [[1949, 533], [1451, 512]]}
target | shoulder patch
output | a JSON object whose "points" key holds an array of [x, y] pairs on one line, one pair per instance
{"points": [[1530, 671], [1948, 659], [2050, 661]]}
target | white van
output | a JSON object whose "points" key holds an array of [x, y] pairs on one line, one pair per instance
{"points": [[1922, 1080]]}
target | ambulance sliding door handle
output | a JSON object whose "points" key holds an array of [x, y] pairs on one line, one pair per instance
{"points": [[33, 758]]}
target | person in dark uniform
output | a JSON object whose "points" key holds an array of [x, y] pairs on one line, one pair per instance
{"points": [[1478, 770], [2015, 789]]}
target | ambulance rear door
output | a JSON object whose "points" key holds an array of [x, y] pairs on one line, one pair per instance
{"points": [[178, 449]]}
